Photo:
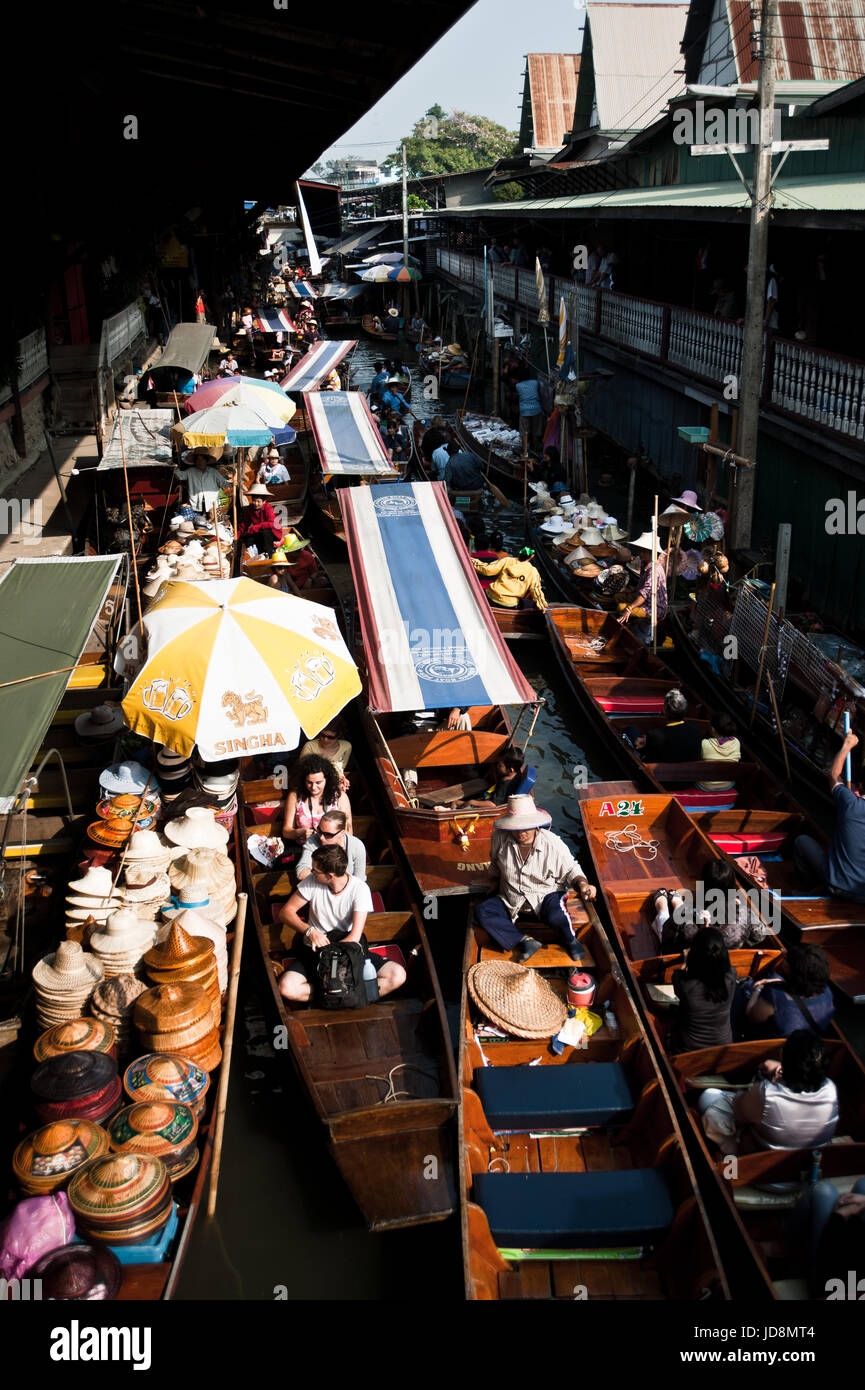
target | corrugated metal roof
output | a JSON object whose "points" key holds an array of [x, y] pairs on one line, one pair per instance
{"points": [[635, 52], [841, 193], [814, 40], [552, 92]]}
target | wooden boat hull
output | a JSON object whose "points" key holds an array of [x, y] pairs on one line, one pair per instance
{"points": [[520, 624], [601, 660], [684, 1263], [367, 325], [507, 472], [734, 1201], [396, 1159], [428, 838], [447, 379]]}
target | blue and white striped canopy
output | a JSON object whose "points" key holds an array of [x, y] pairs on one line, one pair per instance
{"points": [[317, 364], [346, 435]]}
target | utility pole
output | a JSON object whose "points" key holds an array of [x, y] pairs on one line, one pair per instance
{"points": [[404, 233], [750, 384]]}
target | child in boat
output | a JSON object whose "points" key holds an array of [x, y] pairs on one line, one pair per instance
{"points": [[792, 1105], [721, 746], [705, 990]]}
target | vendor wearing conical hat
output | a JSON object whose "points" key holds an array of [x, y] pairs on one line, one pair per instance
{"points": [[641, 606], [258, 524], [516, 582], [535, 869]]}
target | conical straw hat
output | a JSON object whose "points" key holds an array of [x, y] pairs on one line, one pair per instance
{"points": [[517, 998]]}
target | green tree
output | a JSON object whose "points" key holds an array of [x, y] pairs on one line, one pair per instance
{"points": [[416, 204], [509, 192], [453, 144]]}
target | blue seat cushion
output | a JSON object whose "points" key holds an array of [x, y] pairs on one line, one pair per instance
{"points": [[562, 1210], [527, 783], [576, 1095]]}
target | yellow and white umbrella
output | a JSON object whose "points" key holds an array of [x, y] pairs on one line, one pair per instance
{"points": [[543, 307], [238, 669], [563, 331]]}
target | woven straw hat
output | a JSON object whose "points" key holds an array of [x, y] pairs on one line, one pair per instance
{"points": [[614, 533], [688, 499], [124, 777], [517, 998], [591, 536], [522, 814], [69, 969], [202, 868], [96, 883], [124, 934], [197, 829], [673, 516], [146, 846], [144, 886], [643, 542]]}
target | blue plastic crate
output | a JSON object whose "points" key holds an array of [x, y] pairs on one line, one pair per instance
{"points": [[694, 434], [151, 1251]]}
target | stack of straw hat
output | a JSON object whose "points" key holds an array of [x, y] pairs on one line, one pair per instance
{"points": [[64, 981], [145, 890], [147, 849], [122, 942], [197, 829], [76, 1086], [191, 915], [181, 957], [167, 1076], [173, 772], [165, 1129], [47, 1158], [78, 1035], [183, 1018], [121, 1199], [159, 573], [210, 874], [113, 1003], [91, 896]]}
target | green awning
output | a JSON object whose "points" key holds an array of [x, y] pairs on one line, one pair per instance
{"points": [[48, 608]]}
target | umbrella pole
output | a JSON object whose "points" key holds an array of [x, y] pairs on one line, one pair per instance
{"points": [[655, 579], [762, 657], [227, 1043], [216, 537], [129, 516]]}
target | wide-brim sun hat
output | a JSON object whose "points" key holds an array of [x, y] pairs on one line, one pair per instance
{"points": [[96, 883], [591, 536], [104, 721], [614, 533], [147, 846], [516, 998], [124, 777], [554, 525], [674, 516], [522, 814], [197, 829], [69, 969], [688, 499], [257, 490], [644, 542]]}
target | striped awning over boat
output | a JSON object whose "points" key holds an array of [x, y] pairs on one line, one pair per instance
{"points": [[302, 290], [273, 321], [48, 608], [346, 435], [336, 291], [317, 364], [430, 637]]}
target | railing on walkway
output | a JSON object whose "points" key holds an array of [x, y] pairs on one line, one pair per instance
{"points": [[32, 360], [802, 381], [119, 333]]}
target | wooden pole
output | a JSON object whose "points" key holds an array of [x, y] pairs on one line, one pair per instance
{"points": [[471, 370], [782, 566], [778, 723], [496, 359], [129, 516], [39, 675], [227, 1042], [216, 537], [655, 579], [762, 657], [848, 761], [632, 469], [525, 486]]}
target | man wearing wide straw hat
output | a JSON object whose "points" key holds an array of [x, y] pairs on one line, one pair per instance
{"points": [[535, 869]]}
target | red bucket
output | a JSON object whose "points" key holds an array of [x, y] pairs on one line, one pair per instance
{"points": [[581, 990]]}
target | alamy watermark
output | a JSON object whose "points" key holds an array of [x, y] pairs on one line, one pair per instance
{"points": [[719, 125], [21, 517], [845, 516]]}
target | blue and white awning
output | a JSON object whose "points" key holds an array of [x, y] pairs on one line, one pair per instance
{"points": [[317, 364], [346, 435], [430, 636], [301, 290]]}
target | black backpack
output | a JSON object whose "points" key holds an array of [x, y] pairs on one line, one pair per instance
{"points": [[340, 976]]}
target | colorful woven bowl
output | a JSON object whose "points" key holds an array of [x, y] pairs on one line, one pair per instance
{"points": [[72, 1075], [167, 1076], [166, 1129], [121, 1198], [47, 1158]]}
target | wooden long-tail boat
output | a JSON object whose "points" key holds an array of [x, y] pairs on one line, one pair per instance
{"points": [[508, 471], [746, 1215], [448, 378], [575, 1181], [395, 1152], [618, 681], [368, 326], [563, 581], [465, 499]]}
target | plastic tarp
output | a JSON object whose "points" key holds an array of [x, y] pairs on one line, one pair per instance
{"points": [[146, 439], [187, 348], [317, 364], [430, 637], [346, 434], [353, 241], [48, 608]]}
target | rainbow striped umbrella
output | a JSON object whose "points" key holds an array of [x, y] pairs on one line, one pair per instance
{"points": [[378, 273], [250, 391]]}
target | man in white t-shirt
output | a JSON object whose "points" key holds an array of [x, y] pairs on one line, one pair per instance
{"points": [[204, 483], [338, 909]]}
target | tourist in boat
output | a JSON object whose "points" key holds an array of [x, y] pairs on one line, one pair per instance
{"points": [[680, 740], [674, 924], [512, 777], [721, 746], [516, 583], [705, 990], [440, 458], [331, 831], [392, 399], [831, 1227], [339, 905], [433, 438], [640, 607], [464, 472], [257, 524], [378, 382], [841, 872], [799, 998], [328, 744], [204, 482], [272, 469], [315, 791], [729, 907], [792, 1105], [531, 412], [535, 869]]}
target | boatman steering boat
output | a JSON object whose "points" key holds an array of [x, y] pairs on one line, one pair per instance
{"points": [[516, 581], [535, 870]]}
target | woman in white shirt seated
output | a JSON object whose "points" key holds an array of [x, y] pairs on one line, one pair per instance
{"points": [[792, 1105]]}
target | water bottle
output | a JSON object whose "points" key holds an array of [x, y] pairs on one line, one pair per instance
{"points": [[370, 981], [610, 1020]]}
